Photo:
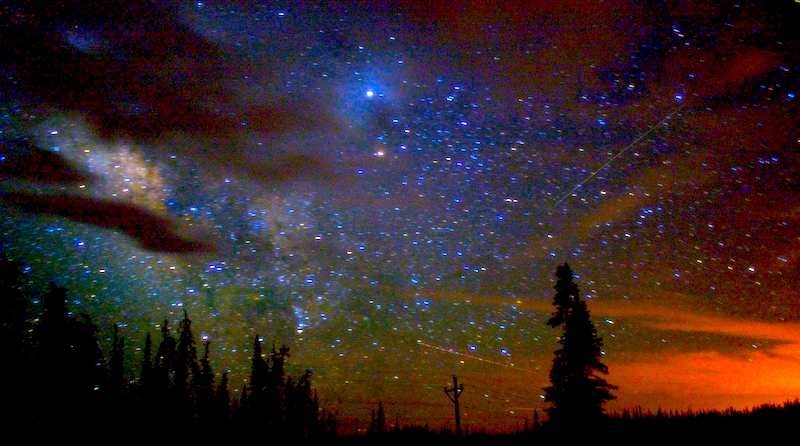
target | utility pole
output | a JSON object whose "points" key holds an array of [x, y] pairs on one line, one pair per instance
{"points": [[456, 390]]}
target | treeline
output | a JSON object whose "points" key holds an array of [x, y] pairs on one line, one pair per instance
{"points": [[757, 425], [768, 422], [59, 384]]}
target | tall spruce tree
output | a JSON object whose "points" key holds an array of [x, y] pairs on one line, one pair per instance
{"points": [[165, 358], [205, 387], [185, 366], [222, 401], [259, 377], [146, 374], [185, 356], [68, 364], [52, 361], [259, 370], [158, 396], [380, 421], [276, 387], [576, 393], [116, 372], [304, 410]]}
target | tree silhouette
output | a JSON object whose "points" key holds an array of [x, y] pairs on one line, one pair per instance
{"points": [[165, 357], [380, 420], [222, 402], [116, 366], [15, 354], [259, 370], [278, 358], [185, 366], [68, 363], [276, 387], [257, 401], [204, 393], [146, 374], [185, 356], [576, 392], [13, 308], [57, 382], [302, 409], [244, 404], [159, 398]]}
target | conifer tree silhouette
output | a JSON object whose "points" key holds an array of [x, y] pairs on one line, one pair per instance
{"points": [[222, 402], [165, 358], [146, 373], [301, 408], [316, 422], [305, 409], [185, 366], [259, 370], [68, 363], [380, 420], [244, 404], [205, 388], [276, 386], [16, 351], [116, 389], [259, 377], [13, 307], [161, 397], [576, 392], [51, 359], [116, 366], [86, 373], [71, 390], [185, 355]]}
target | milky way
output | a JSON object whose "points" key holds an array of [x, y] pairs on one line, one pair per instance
{"points": [[388, 191]]}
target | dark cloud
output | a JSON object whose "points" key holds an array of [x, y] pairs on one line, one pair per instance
{"points": [[152, 232], [136, 72], [23, 160]]}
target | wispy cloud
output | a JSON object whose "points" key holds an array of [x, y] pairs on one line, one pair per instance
{"points": [[710, 375]]}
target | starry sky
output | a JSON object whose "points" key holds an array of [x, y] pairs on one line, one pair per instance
{"points": [[387, 188]]}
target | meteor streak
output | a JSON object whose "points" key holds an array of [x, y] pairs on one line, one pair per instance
{"points": [[453, 352], [628, 147]]}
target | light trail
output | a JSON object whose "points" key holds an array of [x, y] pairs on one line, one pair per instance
{"points": [[628, 147], [453, 352]]}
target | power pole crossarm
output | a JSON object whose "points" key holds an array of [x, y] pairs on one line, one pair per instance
{"points": [[456, 391]]}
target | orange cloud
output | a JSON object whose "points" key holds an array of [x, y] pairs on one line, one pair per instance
{"points": [[674, 318], [709, 378]]}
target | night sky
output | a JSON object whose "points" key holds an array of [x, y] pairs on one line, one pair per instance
{"points": [[388, 187]]}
